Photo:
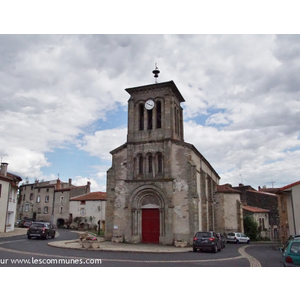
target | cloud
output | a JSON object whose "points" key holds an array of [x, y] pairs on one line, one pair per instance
{"points": [[241, 111], [101, 143]]}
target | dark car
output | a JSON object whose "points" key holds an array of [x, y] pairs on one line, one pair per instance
{"points": [[25, 223], [206, 240], [41, 230], [222, 238]]}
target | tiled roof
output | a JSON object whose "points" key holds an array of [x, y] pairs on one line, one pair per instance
{"points": [[255, 209], [289, 186], [90, 197], [226, 188], [11, 177]]}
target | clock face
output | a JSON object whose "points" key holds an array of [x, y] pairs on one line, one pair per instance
{"points": [[149, 104]]}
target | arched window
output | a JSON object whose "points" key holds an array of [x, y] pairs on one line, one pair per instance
{"points": [[141, 164], [150, 166], [141, 117], [149, 115], [159, 163], [158, 114]]}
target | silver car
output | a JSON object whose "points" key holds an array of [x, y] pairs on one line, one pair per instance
{"points": [[237, 237]]}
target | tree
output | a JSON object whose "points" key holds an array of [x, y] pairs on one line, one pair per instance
{"points": [[251, 228]]}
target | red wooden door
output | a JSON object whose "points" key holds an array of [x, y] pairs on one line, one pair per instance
{"points": [[150, 226]]}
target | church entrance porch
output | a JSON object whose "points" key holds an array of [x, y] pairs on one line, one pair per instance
{"points": [[150, 226]]}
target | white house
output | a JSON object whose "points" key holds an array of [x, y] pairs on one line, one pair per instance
{"points": [[88, 210], [8, 198]]}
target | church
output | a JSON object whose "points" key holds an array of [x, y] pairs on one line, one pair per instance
{"points": [[159, 188]]}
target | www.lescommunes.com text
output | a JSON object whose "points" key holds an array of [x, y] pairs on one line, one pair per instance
{"points": [[50, 261]]}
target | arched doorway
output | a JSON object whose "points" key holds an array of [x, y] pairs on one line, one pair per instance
{"points": [[148, 215], [60, 223]]}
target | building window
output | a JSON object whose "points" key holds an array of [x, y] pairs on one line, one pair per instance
{"points": [[31, 196], [61, 210], [39, 210], [82, 211], [159, 163], [45, 209], [26, 207], [158, 114], [141, 117], [82, 202], [149, 117], [262, 224], [46, 199], [150, 167], [23, 197], [61, 199], [38, 199], [141, 164]]}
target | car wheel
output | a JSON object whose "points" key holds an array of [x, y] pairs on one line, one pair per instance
{"points": [[237, 241], [215, 250], [28, 236], [45, 237], [248, 242], [194, 249]]}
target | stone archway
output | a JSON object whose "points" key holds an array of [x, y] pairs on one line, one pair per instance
{"points": [[148, 216]]}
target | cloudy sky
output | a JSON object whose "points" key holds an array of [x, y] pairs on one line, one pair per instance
{"points": [[64, 105]]}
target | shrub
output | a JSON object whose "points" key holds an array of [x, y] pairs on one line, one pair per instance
{"points": [[251, 228]]}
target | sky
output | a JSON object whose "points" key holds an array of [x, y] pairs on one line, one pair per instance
{"points": [[63, 102], [64, 105]]}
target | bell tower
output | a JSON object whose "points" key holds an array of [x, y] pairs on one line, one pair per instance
{"points": [[154, 112], [153, 186]]}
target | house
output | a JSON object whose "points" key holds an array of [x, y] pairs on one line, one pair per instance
{"points": [[48, 201], [264, 199], [228, 210], [159, 187], [88, 210], [261, 217], [289, 196], [8, 198]]}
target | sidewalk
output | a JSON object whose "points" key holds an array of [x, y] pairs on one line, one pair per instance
{"points": [[121, 247], [105, 245], [17, 231]]}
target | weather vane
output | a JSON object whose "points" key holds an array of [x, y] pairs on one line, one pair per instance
{"points": [[156, 72]]}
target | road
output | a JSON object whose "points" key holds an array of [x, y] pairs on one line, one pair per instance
{"points": [[18, 251]]}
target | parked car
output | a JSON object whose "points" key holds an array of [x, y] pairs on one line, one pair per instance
{"points": [[222, 238], [41, 230], [291, 253], [237, 237], [25, 223], [291, 237], [206, 240]]}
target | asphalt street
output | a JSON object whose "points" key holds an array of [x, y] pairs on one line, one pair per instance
{"points": [[18, 251]]}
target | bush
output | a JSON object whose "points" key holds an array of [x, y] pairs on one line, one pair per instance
{"points": [[251, 228]]}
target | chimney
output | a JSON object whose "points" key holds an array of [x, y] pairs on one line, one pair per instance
{"points": [[3, 170], [88, 187], [70, 182], [58, 184]]}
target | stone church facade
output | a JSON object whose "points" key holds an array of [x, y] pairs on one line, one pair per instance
{"points": [[159, 188]]}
